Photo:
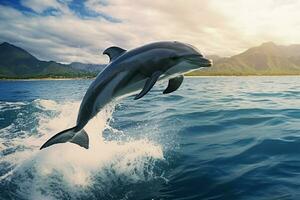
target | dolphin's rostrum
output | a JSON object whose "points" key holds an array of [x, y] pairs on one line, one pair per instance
{"points": [[128, 72]]}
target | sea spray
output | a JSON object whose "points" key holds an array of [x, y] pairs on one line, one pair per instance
{"points": [[70, 171]]}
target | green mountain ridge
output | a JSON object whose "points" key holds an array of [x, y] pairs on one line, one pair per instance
{"points": [[18, 63], [266, 59]]}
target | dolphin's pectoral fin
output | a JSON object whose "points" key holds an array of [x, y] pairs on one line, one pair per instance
{"points": [[149, 84], [174, 84], [81, 138], [70, 135], [113, 52]]}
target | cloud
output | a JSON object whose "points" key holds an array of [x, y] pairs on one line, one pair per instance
{"points": [[215, 27], [258, 21], [63, 38], [195, 22], [40, 6]]}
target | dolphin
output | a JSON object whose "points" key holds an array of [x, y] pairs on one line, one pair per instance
{"points": [[128, 72]]}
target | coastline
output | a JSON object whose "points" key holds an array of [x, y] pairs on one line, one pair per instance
{"points": [[244, 75], [44, 79], [187, 76]]}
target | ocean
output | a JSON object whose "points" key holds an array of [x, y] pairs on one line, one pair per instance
{"points": [[213, 138]]}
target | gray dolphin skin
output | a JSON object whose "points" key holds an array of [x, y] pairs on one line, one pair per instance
{"points": [[129, 72]]}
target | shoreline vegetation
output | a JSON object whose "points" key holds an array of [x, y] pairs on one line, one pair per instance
{"points": [[186, 75], [241, 74], [46, 78], [201, 73]]}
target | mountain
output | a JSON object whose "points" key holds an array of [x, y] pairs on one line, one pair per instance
{"points": [[266, 59], [93, 68], [214, 57], [18, 63]]}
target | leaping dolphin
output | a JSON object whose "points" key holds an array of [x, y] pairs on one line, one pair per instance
{"points": [[128, 72]]}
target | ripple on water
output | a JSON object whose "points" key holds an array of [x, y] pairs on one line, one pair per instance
{"points": [[214, 138]]}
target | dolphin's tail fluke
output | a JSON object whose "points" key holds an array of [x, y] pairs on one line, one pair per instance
{"points": [[69, 135]]}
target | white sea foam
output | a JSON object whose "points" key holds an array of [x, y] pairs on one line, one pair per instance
{"points": [[4, 106], [46, 104], [70, 167]]}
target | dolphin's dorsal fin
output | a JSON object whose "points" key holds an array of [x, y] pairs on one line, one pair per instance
{"points": [[113, 52], [174, 84], [149, 84]]}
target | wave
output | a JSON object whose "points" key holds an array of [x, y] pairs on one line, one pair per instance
{"points": [[4, 105], [67, 170]]}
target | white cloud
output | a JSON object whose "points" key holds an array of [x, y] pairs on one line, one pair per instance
{"points": [[62, 38], [215, 27], [266, 20], [40, 5], [193, 22]]}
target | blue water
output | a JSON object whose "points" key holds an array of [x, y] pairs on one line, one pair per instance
{"points": [[214, 138]]}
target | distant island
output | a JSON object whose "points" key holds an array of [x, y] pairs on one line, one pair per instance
{"points": [[267, 59]]}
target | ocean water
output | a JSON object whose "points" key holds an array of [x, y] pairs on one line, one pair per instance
{"points": [[214, 138]]}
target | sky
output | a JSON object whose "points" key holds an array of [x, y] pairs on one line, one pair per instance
{"points": [[74, 30]]}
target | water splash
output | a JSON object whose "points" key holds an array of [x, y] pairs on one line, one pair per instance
{"points": [[68, 170]]}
